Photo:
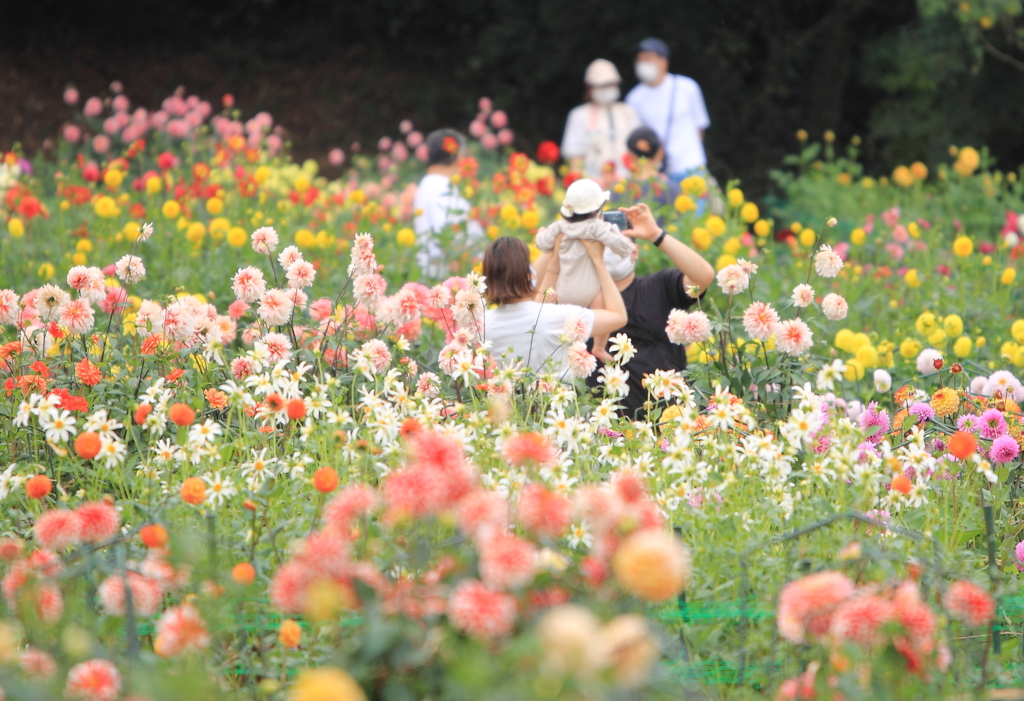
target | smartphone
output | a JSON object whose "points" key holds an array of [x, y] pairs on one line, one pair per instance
{"points": [[617, 218]]}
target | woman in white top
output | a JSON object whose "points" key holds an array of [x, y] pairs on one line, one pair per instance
{"points": [[524, 325], [595, 132]]}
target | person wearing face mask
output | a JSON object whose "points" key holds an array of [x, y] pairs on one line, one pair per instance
{"points": [[673, 107], [595, 136]]}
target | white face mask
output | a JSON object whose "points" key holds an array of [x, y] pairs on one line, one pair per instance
{"points": [[606, 95], [646, 71]]}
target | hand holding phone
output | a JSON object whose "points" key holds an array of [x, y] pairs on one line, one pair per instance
{"points": [[617, 218]]}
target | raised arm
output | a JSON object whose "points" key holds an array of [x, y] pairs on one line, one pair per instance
{"points": [[614, 316], [695, 270], [547, 268]]}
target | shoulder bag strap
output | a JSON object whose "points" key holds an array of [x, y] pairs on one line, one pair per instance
{"points": [[668, 125]]}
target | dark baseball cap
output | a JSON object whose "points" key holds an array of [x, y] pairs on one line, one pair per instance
{"points": [[643, 142], [655, 46]]}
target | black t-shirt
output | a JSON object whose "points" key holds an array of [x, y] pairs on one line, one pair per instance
{"points": [[648, 300]]}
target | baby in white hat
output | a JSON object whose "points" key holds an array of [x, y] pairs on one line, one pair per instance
{"points": [[577, 279]]}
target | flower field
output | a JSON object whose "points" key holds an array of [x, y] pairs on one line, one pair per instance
{"points": [[249, 451]]}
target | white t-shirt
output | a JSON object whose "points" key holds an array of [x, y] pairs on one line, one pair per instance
{"points": [[684, 149], [598, 134], [534, 333], [439, 205]]}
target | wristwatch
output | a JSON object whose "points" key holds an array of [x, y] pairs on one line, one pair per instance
{"points": [[661, 237]]}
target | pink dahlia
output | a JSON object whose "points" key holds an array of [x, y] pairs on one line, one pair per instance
{"points": [[806, 605], [759, 321], [793, 337], [529, 449], [98, 521], [967, 602], [77, 316], [58, 529], [481, 612], [94, 680], [834, 307], [482, 512], [147, 593], [275, 307], [350, 503], [248, 284], [506, 561], [861, 620], [544, 512], [684, 328], [1004, 449], [180, 629]]}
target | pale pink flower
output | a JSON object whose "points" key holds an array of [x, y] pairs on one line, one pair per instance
{"points": [[278, 347], [827, 262], [289, 255], [321, 309], [747, 266], [576, 329], [376, 351], [300, 274], [685, 328], [180, 629], [37, 663], [94, 680], [147, 594], [275, 307], [803, 295], [793, 337], [225, 328], [733, 279], [480, 611], [449, 357], [88, 281], [241, 368], [264, 240], [149, 319], [130, 269], [440, 297], [506, 561], [405, 306], [581, 362], [10, 308], [468, 308], [428, 384], [248, 284], [759, 321], [369, 288], [363, 260], [834, 307], [298, 297], [77, 316], [179, 321]]}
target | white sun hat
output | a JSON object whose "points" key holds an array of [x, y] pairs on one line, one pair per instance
{"points": [[583, 197], [601, 71]]}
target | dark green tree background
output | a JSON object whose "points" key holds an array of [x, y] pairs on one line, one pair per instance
{"points": [[333, 72]]}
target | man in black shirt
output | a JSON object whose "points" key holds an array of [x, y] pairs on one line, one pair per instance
{"points": [[649, 299]]}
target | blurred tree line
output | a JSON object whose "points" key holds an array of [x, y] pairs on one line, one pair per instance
{"points": [[910, 77]]}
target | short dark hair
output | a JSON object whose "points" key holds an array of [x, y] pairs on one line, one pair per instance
{"points": [[643, 142], [507, 270], [439, 151], [582, 217]]}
